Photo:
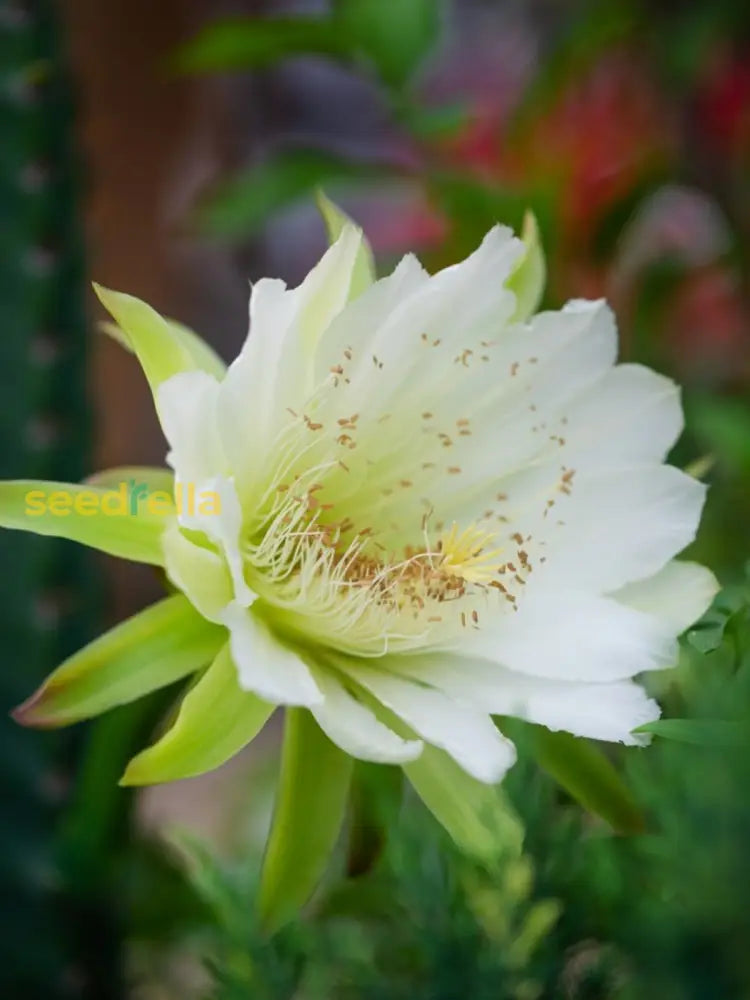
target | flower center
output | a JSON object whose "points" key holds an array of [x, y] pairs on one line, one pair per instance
{"points": [[469, 554], [332, 582]]}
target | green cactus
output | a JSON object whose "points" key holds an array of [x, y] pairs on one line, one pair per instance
{"points": [[47, 602]]}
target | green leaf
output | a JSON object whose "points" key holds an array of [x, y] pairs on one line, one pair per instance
{"points": [[395, 37], [104, 519], [163, 348], [363, 274], [154, 648], [252, 43], [528, 277], [215, 721], [244, 204], [698, 732], [588, 776], [310, 805], [477, 816]]}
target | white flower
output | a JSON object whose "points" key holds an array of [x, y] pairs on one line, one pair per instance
{"points": [[435, 509], [427, 508]]}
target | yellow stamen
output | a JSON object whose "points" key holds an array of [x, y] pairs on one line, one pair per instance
{"points": [[466, 554]]}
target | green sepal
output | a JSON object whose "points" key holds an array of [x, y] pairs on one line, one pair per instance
{"points": [[215, 721], [110, 525], [477, 816], [154, 648], [363, 274], [163, 348], [698, 732], [310, 806], [529, 274], [204, 356], [157, 479], [588, 776]]}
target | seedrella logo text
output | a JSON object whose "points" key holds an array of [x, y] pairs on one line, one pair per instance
{"points": [[127, 499]]}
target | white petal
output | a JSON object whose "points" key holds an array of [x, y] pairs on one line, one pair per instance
{"points": [[468, 735], [187, 410], [416, 342], [200, 573], [619, 526], [630, 415], [222, 526], [353, 329], [574, 636], [598, 711], [264, 665], [354, 727], [677, 595], [518, 408], [485, 420], [275, 368]]}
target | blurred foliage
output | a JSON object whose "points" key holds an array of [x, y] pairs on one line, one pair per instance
{"points": [[390, 38], [583, 914]]}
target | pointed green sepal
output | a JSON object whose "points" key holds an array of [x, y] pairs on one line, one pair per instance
{"points": [[698, 732], [215, 721], [310, 806], [110, 520], [588, 776], [154, 478], [154, 648], [204, 356], [163, 348], [529, 274], [335, 220], [477, 816]]}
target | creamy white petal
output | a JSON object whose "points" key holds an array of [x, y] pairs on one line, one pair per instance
{"points": [[187, 410], [631, 415], [533, 378], [468, 735], [264, 664], [275, 369], [597, 711], [677, 595], [349, 333], [354, 727], [619, 526], [390, 335], [416, 343], [216, 512], [199, 572], [574, 636], [456, 441]]}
